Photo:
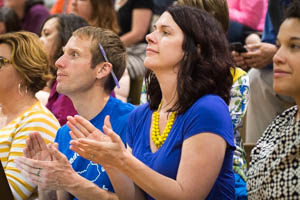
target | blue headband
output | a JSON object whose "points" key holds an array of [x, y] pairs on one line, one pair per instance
{"points": [[106, 60]]}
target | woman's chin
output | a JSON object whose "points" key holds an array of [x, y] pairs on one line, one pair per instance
{"points": [[148, 64], [282, 90]]}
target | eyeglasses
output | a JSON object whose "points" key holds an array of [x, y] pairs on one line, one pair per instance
{"points": [[106, 60], [3, 61]]}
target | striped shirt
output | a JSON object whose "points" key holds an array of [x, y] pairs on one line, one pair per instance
{"points": [[13, 137]]}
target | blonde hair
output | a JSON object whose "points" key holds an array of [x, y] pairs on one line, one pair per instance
{"points": [[29, 59]]}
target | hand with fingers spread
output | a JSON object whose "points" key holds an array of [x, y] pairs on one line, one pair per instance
{"points": [[82, 128], [50, 175], [106, 150], [37, 148]]}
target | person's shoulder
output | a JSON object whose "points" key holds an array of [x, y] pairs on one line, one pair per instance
{"points": [[141, 109], [62, 133], [38, 8], [39, 111], [211, 106], [210, 102], [286, 115], [120, 106], [290, 111], [64, 128]]}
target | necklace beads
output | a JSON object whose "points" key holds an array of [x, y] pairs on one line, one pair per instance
{"points": [[157, 138]]}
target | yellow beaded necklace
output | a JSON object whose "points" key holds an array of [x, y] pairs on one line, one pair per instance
{"points": [[157, 138]]}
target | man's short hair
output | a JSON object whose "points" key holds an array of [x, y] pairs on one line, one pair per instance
{"points": [[113, 47]]}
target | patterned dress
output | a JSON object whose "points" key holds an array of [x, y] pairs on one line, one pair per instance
{"points": [[274, 171], [237, 107]]}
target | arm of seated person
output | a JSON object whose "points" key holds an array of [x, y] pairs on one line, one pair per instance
{"points": [[189, 177], [239, 97], [124, 186], [63, 195], [141, 18], [85, 189], [22, 188], [194, 171]]}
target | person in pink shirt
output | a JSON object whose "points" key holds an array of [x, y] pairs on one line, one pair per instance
{"points": [[246, 17]]}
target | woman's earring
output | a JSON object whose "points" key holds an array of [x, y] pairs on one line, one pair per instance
{"points": [[19, 89]]}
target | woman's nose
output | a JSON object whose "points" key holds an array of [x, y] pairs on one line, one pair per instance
{"points": [[279, 57], [150, 37]]}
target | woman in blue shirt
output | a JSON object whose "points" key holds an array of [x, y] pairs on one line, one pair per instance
{"points": [[180, 144]]}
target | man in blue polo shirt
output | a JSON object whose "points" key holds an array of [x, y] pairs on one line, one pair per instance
{"points": [[93, 61]]}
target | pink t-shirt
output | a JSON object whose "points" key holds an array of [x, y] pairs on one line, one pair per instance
{"points": [[251, 13]]}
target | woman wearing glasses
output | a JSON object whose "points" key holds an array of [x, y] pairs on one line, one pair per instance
{"points": [[24, 70]]}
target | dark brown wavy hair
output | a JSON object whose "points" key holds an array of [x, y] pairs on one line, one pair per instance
{"points": [[205, 67]]}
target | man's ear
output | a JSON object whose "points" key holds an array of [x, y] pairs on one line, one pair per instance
{"points": [[103, 70]]}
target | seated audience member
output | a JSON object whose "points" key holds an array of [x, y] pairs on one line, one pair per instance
{"points": [[93, 61], [246, 17], [134, 17], [55, 33], [89, 10], [32, 13], [9, 21], [275, 160], [97, 13], [239, 93], [181, 143], [24, 70], [264, 104]]}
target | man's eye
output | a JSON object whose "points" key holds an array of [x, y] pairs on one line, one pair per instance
{"points": [[294, 46], [74, 54]]}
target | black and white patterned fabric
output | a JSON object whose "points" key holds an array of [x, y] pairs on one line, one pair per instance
{"points": [[274, 171]]}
